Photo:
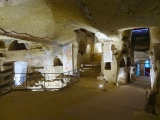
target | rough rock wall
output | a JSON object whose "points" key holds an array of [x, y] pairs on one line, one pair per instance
{"points": [[57, 19], [38, 56], [42, 18], [154, 56]]}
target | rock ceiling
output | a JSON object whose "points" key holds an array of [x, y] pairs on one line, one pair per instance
{"points": [[57, 19]]}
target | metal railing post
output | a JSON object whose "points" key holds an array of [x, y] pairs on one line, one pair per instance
{"points": [[1, 83], [26, 81], [11, 81], [61, 80], [44, 81]]}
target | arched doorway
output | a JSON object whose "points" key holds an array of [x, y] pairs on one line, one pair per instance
{"points": [[97, 52], [57, 62], [122, 63], [88, 54], [147, 68]]}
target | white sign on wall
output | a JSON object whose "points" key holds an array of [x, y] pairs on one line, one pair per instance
{"points": [[67, 58], [107, 52]]}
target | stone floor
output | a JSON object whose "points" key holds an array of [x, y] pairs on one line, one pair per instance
{"points": [[82, 101]]}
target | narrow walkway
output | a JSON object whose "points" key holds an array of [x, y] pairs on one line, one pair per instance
{"points": [[79, 102]]}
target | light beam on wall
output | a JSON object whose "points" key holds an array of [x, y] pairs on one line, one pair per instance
{"points": [[102, 37]]}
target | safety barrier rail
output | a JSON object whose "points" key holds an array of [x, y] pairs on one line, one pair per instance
{"points": [[38, 81], [6, 81]]}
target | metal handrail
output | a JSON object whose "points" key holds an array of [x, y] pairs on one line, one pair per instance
{"points": [[5, 84], [47, 81], [44, 82]]}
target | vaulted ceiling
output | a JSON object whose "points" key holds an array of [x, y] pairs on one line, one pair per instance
{"points": [[57, 19]]}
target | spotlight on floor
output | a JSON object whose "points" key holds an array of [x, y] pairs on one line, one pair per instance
{"points": [[100, 86]]}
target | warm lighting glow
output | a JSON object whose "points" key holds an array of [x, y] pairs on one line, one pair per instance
{"points": [[102, 37], [88, 50], [98, 48], [117, 84], [100, 86]]}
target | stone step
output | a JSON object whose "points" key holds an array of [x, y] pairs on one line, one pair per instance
{"points": [[89, 75], [93, 73], [90, 68], [92, 64]]}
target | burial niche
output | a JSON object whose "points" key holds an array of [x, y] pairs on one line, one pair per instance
{"points": [[122, 63], [128, 61], [57, 62], [2, 45], [107, 66], [81, 49], [17, 46]]}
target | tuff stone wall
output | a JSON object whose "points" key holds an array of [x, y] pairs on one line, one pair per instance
{"points": [[38, 56]]}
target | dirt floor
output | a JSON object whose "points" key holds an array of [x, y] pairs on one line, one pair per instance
{"points": [[83, 100]]}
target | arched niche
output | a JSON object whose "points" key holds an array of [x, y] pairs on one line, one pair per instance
{"points": [[37, 63], [88, 49], [2, 55], [57, 62], [2, 45], [124, 51], [128, 61], [125, 38], [125, 46], [122, 63], [16, 46], [97, 48], [107, 66], [82, 47]]}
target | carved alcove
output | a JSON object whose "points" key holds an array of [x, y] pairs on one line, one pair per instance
{"points": [[107, 66], [122, 63], [17, 46], [57, 62], [128, 61], [2, 45], [82, 48]]}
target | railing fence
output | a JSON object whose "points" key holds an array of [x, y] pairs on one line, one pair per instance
{"points": [[37, 81]]}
